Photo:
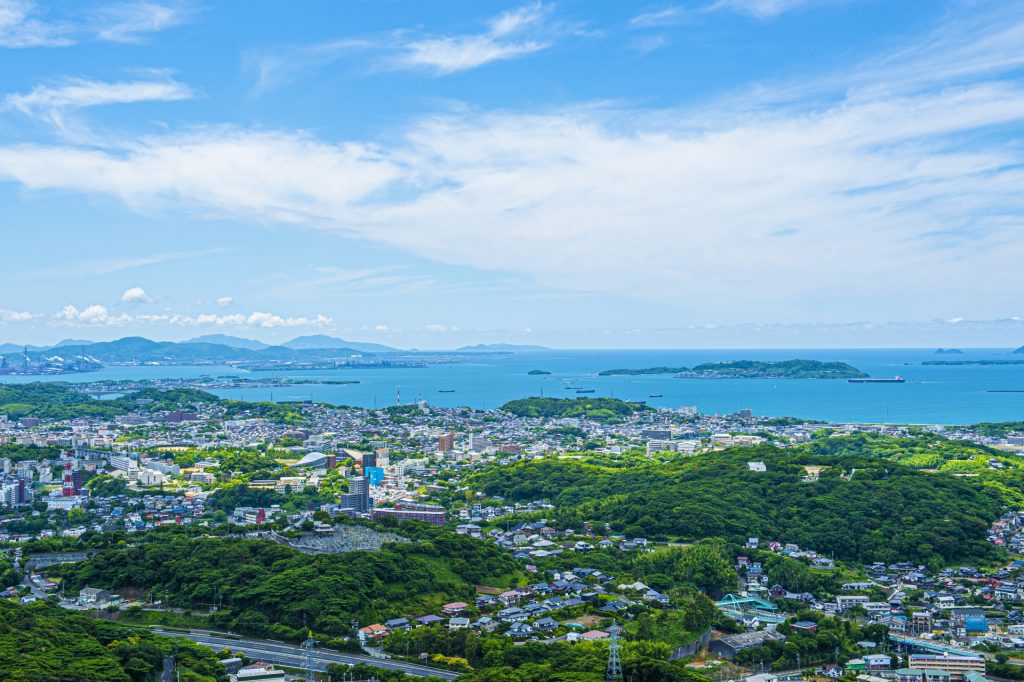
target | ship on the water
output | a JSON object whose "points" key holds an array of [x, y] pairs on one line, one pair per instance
{"points": [[879, 380]]}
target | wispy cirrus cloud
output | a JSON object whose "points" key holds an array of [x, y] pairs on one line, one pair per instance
{"points": [[664, 16], [26, 24], [53, 103], [509, 35], [765, 9], [516, 33], [23, 24], [673, 15], [132, 22], [105, 266]]}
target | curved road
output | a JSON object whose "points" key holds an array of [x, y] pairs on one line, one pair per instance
{"points": [[288, 654]]}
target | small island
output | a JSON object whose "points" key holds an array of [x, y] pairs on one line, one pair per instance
{"points": [[964, 363], [949, 351], [537, 372], [782, 369], [642, 371], [752, 369]]}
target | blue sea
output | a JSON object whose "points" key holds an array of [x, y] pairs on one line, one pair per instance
{"points": [[931, 395]]}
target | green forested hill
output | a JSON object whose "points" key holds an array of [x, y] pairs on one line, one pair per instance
{"points": [[884, 511], [41, 642], [599, 409], [54, 400], [274, 590]]}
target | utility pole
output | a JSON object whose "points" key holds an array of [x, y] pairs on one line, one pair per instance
{"points": [[613, 672]]}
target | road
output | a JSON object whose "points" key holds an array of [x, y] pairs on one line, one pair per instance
{"points": [[287, 654], [168, 673]]}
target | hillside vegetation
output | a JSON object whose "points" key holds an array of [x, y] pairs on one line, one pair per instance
{"points": [[273, 590], [861, 508], [598, 409], [41, 641], [52, 400]]}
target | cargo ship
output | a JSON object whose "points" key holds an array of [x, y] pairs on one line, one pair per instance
{"points": [[872, 380]]}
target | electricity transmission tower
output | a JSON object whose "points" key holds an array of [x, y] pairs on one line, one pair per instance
{"points": [[309, 657], [613, 672]]}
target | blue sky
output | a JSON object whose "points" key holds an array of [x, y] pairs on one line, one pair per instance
{"points": [[579, 174]]}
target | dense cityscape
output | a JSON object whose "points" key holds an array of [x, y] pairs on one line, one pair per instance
{"points": [[87, 501]]}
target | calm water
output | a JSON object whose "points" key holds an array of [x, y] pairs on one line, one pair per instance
{"points": [[935, 394]]}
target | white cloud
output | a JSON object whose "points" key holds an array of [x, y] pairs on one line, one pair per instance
{"points": [[436, 328], [98, 315], [225, 301], [764, 9], [20, 26], [666, 16], [507, 37], [23, 23], [53, 103], [129, 22], [515, 33], [94, 315], [135, 295], [882, 196], [8, 315]]}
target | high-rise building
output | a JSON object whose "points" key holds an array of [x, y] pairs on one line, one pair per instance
{"points": [[358, 495], [446, 442], [68, 486], [369, 460]]}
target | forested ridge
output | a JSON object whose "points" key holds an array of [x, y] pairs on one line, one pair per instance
{"points": [[54, 400], [273, 590], [41, 642], [860, 508]]}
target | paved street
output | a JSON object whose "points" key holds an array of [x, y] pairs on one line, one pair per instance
{"points": [[287, 654]]}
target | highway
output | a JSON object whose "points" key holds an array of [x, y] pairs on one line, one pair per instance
{"points": [[287, 654]]}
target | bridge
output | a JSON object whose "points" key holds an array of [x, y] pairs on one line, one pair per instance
{"points": [[741, 608], [931, 645]]}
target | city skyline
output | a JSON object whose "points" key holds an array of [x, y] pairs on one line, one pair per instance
{"points": [[732, 173]]}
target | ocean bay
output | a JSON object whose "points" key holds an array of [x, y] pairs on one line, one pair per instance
{"points": [[940, 394]]}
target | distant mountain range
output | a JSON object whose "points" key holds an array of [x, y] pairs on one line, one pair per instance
{"points": [[220, 348], [315, 341], [322, 341], [501, 347], [138, 349], [232, 341]]}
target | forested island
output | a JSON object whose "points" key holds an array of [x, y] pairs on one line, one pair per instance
{"points": [[752, 369], [642, 371], [537, 372], [955, 363]]}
